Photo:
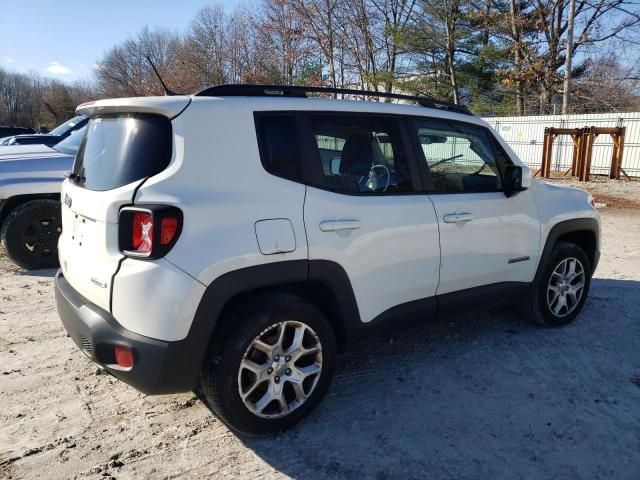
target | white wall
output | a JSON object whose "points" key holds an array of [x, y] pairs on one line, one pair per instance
{"points": [[526, 136]]}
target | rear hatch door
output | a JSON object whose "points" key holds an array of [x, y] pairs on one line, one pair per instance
{"points": [[120, 150]]}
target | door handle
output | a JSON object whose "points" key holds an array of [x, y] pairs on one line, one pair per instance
{"points": [[337, 225], [458, 217]]}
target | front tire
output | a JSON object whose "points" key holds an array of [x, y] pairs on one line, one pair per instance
{"points": [[270, 365], [562, 288], [30, 234]]}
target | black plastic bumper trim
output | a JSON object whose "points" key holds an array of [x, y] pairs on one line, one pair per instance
{"points": [[159, 367]]}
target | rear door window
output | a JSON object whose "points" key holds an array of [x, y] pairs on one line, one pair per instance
{"points": [[121, 149], [361, 154]]}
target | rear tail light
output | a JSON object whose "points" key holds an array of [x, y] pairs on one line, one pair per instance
{"points": [[168, 229], [149, 231], [142, 232]]}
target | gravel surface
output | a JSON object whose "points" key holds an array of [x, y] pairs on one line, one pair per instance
{"points": [[483, 396], [614, 193]]}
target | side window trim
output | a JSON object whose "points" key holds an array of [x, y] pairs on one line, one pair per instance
{"points": [[417, 156], [423, 165], [312, 165]]}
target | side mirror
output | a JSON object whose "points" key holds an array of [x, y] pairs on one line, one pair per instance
{"points": [[516, 179]]}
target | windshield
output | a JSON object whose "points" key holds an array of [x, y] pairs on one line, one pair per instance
{"points": [[120, 149], [66, 126], [71, 144]]}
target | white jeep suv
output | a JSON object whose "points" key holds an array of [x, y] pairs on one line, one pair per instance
{"points": [[236, 239]]}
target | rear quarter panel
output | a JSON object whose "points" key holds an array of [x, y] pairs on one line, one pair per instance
{"points": [[217, 180]]}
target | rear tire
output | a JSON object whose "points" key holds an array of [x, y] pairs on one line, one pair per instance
{"points": [[30, 234], [254, 380], [562, 288]]}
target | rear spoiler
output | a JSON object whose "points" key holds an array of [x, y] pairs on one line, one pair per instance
{"points": [[168, 106]]}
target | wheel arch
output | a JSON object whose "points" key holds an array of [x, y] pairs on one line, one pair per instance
{"points": [[584, 232], [9, 204], [323, 283]]}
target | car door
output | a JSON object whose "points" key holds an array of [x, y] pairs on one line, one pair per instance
{"points": [[365, 210], [486, 238]]}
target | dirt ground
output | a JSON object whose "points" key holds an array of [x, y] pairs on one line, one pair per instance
{"points": [[482, 396], [621, 194]]}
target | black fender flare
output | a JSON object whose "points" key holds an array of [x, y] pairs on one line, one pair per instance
{"points": [[237, 282], [562, 228]]}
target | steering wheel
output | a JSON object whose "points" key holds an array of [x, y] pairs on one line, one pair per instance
{"points": [[386, 170]]}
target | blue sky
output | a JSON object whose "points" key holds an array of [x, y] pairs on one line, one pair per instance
{"points": [[65, 38]]}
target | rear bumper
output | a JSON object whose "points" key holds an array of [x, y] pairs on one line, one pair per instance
{"points": [[158, 366]]}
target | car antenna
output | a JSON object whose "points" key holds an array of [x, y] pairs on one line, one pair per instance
{"points": [[167, 91]]}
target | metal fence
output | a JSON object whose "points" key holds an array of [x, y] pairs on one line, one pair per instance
{"points": [[525, 135]]}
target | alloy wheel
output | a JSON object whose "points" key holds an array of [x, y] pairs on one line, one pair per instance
{"points": [[565, 287], [280, 369]]}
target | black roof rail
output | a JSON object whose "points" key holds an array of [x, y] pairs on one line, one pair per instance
{"points": [[254, 90]]}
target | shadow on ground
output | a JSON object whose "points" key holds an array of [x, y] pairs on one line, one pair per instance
{"points": [[48, 272], [479, 396]]}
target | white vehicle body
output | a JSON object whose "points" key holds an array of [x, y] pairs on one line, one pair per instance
{"points": [[244, 229]]}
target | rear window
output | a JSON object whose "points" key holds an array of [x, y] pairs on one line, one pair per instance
{"points": [[120, 149]]}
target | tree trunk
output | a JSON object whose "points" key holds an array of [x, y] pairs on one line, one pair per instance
{"points": [[517, 54], [454, 84], [450, 25], [566, 92]]}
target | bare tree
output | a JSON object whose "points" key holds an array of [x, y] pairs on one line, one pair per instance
{"points": [[241, 55], [15, 93], [206, 46], [473, 51], [441, 33], [595, 21], [320, 18], [36, 101], [125, 71], [358, 27], [397, 14], [607, 86], [282, 41]]}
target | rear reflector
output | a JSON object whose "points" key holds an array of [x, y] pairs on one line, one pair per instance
{"points": [[124, 358]]}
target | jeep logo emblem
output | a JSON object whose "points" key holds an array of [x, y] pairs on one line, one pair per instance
{"points": [[67, 200]]}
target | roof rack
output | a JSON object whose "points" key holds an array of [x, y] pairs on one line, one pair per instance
{"points": [[254, 90]]}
